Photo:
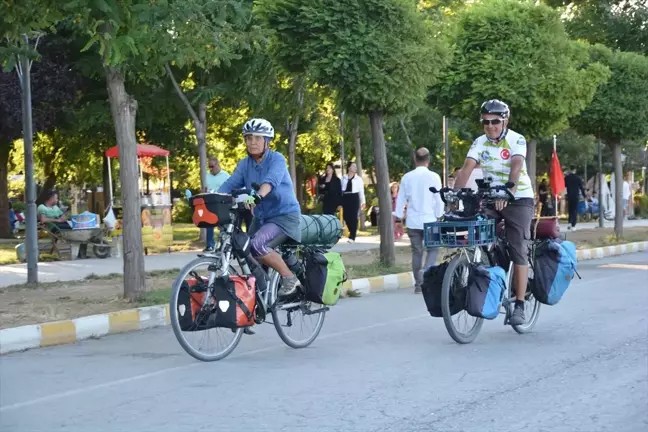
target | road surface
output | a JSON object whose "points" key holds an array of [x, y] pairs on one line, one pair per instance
{"points": [[380, 364]]}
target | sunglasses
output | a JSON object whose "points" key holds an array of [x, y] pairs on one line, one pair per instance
{"points": [[486, 122]]}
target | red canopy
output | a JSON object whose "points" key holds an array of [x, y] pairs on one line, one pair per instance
{"points": [[143, 150]]}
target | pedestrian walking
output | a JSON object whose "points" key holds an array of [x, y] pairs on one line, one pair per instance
{"points": [[422, 207], [574, 185]]}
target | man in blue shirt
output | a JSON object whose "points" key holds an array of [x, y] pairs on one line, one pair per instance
{"points": [[277, 216], [215, 179]]}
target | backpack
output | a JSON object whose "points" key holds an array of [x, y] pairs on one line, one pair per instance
{"points": [[431, 290], [554, 266], [486, 287], [324, 276]]}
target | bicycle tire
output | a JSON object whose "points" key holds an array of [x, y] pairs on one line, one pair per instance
{"points": [[175, 323], [274, 285], [445, 304]]}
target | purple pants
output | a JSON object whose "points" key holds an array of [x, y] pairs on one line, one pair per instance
{"points": [[266, 238]]}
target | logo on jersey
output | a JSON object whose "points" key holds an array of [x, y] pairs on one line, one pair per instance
{"points": [[505, 154], [485, 156]]}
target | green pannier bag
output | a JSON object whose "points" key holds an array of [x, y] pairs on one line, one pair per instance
{"points": [[325, 275]]}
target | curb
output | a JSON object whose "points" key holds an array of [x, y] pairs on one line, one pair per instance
{"points": [[95, 326]]}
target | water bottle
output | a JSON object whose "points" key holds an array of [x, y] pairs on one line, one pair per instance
{"points": [[293, 263]]}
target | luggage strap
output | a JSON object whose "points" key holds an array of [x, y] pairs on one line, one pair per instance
{"points": [[239, 302]]}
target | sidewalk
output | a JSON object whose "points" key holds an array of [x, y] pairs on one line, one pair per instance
{"points": [[75, 270], [79, 269]]}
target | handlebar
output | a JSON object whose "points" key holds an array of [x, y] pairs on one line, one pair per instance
{"points": [[484, 193], [248, 191]]}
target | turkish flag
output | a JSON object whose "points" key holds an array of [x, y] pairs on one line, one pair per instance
{"points": [[556, 176]]}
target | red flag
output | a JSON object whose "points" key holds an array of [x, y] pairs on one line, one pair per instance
{"points": [[556, 176]]}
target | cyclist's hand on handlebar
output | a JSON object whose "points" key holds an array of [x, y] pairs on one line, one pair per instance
{"points": [[500, 204]]}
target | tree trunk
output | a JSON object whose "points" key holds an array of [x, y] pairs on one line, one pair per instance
{"points": [[201, 137], [5, 229], [618, 190], [358, 158], [292, 151], [531, 161], [293, 131], [106, 182], [124, 108], [48, 185], [299, 175], [387, 252], [342, 155]]}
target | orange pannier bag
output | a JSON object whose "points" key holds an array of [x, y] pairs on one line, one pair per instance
{"points": [[233, 304]]}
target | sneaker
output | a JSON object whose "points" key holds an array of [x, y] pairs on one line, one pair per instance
{"points": [[289, 285], [517, 318], [208, 249], [418, 290]]}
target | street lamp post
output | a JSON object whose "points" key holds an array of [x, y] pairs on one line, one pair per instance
{"points": [[31, 234]]}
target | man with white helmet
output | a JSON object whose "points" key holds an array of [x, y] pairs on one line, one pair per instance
{"points": [[501, 153], [277, 214]]}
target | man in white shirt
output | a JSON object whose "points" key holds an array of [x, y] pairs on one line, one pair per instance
{"points": [[422, 207]]}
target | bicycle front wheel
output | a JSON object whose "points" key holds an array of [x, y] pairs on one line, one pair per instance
{"points": [[195, 340], [298, 322], [461, 327]]}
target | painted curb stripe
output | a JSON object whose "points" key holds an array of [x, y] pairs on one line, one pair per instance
{"points": [[123, 321], [56, 333], [70, 331]]}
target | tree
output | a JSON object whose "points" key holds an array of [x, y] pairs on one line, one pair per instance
{"points": [[618, 112], [380, 56], [133, 38], [573, 148], [619, 24], [22, 22], [219, 31], [520, 53]]}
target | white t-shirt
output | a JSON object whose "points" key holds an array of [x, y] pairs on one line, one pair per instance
{"points": [[626, 190], [495, 161]]}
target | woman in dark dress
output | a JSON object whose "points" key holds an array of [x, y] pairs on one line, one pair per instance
{"points": [[330, 190]]}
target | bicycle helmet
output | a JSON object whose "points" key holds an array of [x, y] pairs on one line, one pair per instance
{"points": [[258, 127], [495, 106]]}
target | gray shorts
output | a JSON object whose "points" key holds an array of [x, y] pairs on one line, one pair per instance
{"points": [[518, 216]]}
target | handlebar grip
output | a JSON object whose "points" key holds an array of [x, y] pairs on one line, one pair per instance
{"points": [[433, 189]]}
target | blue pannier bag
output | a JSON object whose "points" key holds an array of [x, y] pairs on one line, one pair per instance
{"points": [[554, 267], [486, 287]]}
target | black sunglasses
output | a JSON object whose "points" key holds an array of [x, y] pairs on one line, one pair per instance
{"points": [[486, 122]]}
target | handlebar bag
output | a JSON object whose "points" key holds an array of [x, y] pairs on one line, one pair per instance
{"points": [[211, 209], [486, 287]]}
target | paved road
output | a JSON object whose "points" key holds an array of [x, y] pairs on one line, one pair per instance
{"points": [[380, 364]]}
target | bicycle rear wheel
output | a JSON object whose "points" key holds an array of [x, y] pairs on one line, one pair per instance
{"points": [[194, 341], [286, 312], [456, 278]]}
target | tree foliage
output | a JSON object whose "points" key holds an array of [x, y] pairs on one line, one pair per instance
{"points": [[381, 55], [520, 53]]}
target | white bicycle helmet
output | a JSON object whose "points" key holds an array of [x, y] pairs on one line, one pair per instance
{"points": [[497, 107], [258, 127]]}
